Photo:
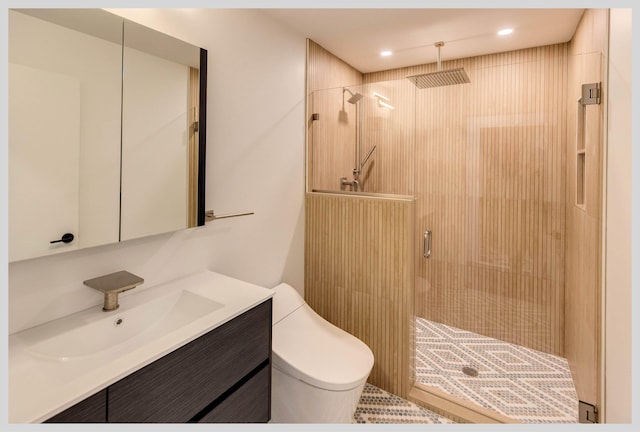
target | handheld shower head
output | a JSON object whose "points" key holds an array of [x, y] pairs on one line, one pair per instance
{"points": [[355, 97]]}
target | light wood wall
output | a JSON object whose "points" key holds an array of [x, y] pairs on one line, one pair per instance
{"points": [[194, 113], [490, 185], [331, 140], [390, 170], [359, 276], [326, 71], [359, 271], [587, 61], [494, 173]]}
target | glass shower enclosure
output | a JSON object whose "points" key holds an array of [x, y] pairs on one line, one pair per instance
{"points": [[485, 162]]}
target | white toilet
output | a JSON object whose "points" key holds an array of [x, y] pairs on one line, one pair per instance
{"points": [[318, 370]]}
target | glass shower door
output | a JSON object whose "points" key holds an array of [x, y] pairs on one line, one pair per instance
{"points": [[490, 186]]}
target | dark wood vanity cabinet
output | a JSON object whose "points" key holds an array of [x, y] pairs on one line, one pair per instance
{"points": [[223, 376], [91, 410]]}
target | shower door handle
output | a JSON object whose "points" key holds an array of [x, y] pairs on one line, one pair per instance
{"points": [[426, 244]]}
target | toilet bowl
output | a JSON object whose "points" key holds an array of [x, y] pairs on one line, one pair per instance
{"points": [[319, 370]]}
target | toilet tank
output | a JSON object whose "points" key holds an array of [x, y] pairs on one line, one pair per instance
{"points": [[285, 300]]}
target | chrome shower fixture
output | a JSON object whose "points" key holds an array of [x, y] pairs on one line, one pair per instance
{"points": [[440, 77], [355, 97], [383, 101], [355, 183]]}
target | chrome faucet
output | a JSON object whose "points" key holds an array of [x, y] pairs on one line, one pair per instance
{"points": [[112, 285]]}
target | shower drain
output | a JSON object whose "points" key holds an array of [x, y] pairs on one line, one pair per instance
{"points": [[468, 370]]}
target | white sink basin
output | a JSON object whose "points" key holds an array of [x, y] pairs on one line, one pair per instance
{"points": [[61, 362], [93, 332]]}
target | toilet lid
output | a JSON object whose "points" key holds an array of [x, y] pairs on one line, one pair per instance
{"points": [[313, 350]]}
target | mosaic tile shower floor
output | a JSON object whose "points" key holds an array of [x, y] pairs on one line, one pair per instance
{"points": [[379, 406], [526, 385]]}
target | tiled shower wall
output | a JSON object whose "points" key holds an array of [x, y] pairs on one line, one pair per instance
{"points": [[495, 177], [358, 260], [490, 185], [486, 163], [331, 147], [387, 135]]}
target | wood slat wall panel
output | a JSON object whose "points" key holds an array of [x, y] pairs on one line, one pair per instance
{"points": [[587, 59], [496, 192], [325, 70], [392, 131], [194, 95], [359, 276], [358, 262], [490, 184], [330, 140], [333, 139]]}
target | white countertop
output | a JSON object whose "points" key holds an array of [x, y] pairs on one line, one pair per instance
{"points": [[41, 387]]}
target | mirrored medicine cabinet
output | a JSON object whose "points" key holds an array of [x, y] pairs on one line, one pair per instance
{"points": [[106, 131]]}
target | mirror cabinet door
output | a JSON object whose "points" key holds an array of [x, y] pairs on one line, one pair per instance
{"points": [[64, 134], [159, 130], [104, 139]]}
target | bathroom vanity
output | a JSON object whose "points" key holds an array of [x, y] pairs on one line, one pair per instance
{"points": [[197, 349]]}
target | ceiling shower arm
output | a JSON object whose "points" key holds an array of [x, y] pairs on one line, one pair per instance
{"points": [[440, 77], [439, 64]]}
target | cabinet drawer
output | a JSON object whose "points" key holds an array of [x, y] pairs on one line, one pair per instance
{"points": [[248, 404], [91, 410], [179, 385]]}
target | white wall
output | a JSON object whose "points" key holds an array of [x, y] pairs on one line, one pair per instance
{"points": [[255, 161], [618, 266]]}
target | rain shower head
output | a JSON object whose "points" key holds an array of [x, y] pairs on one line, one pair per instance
{"points": [[355, 97], [440, 77]]}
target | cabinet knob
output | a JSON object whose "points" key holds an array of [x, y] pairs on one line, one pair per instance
{"points": [[66, 238]]}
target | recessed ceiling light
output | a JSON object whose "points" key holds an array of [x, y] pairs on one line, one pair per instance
{"points": [[505, 31], [386, 53]]}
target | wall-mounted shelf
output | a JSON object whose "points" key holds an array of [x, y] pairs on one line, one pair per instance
{"points": [[211, 216]]}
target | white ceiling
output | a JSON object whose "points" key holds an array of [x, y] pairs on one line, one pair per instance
{"points": [[358, 35]]}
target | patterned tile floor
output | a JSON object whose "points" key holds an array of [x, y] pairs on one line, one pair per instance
{"points": [[379, 406], [526, 385]]}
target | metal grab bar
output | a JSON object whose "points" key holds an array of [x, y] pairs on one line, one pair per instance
{"points": [[211, 216], [426, 244]]}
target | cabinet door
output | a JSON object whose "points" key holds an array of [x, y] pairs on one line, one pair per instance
{"points": [[183, 383], [248, 404], [91, 410]]}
